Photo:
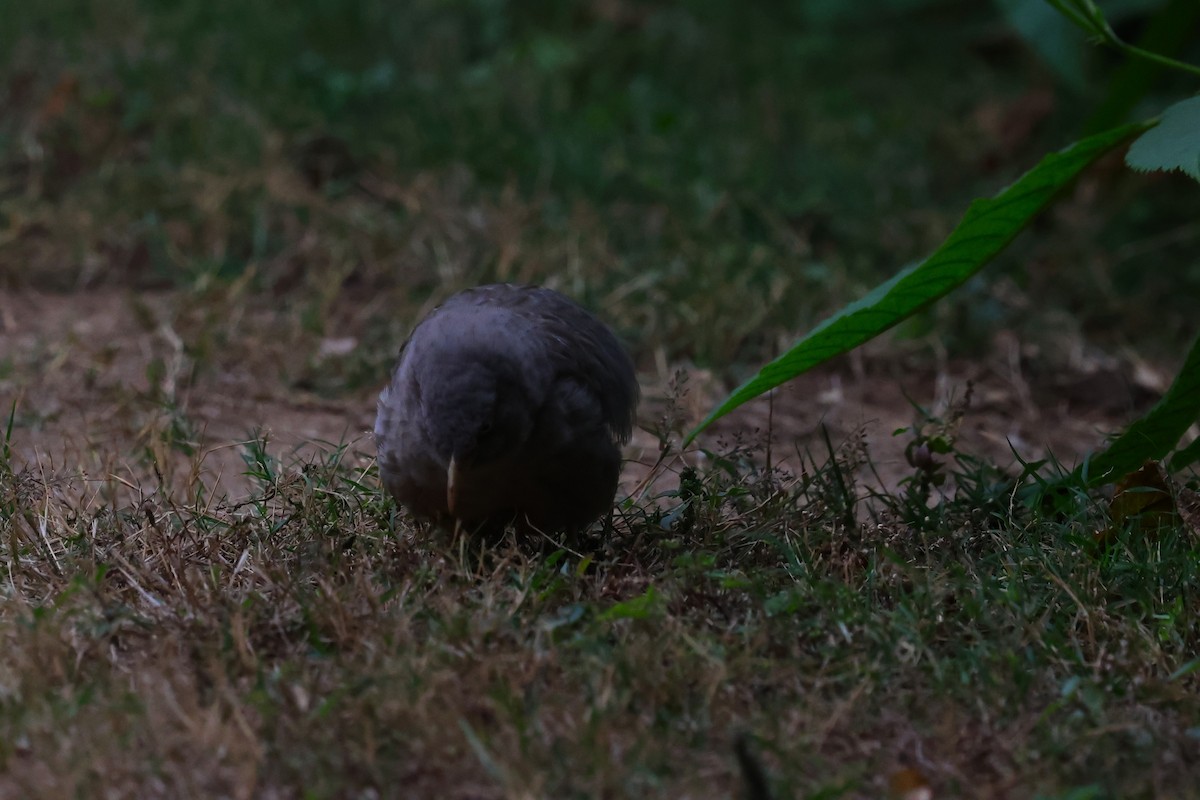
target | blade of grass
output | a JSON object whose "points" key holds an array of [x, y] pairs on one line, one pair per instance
{"points": [[6, 450]]}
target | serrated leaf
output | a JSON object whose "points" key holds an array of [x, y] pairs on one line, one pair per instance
{"points": [[1159, 430], [986, 229], [1174, 144]]}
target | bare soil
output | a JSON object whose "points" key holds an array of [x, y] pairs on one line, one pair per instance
{"points": [[100, 377]]}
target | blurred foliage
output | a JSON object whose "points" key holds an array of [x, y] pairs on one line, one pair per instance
{"points": [[700, 158], [673, 102]]}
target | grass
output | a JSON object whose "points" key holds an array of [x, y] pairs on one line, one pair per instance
{"points": [[644, 157], [217, 222], [306, 640]]}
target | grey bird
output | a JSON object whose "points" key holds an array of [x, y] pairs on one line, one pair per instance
{"points": [[508, 404]]}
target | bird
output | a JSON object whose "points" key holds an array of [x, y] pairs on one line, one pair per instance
{"points": [[507, 404]]}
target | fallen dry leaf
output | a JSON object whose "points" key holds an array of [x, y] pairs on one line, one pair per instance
{"points": [[64, 94], [1145, 496], [909, 784]]}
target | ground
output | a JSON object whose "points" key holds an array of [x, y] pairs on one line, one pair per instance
{"points": [[218, 222], [101, 371], [211, 568]]}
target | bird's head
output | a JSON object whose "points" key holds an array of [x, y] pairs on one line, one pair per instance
{"points": [[476, 411]]}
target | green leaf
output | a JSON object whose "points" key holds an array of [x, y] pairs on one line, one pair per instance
{"points": [[986, 229], [638, 607], [1186, 457], [1174, 144], [1152, 436]]}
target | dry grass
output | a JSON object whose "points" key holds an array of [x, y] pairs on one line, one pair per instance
{"points": [[307, 640]]}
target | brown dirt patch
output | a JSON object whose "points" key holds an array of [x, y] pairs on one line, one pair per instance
{"points": [[101, 377]]}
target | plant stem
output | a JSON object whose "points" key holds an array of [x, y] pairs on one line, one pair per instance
{"points": [[1088, 18], [1157, 58]]}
